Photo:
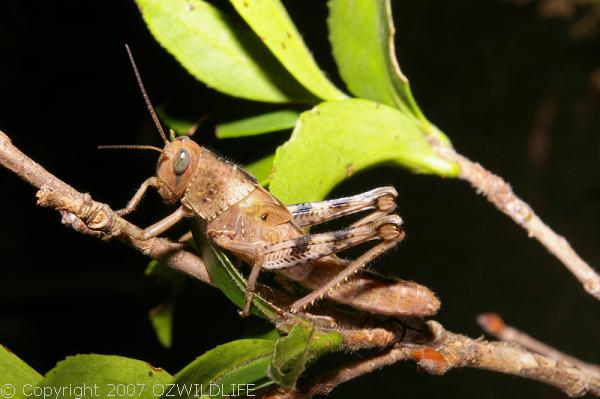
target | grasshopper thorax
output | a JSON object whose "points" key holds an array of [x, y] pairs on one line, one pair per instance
{"points": [[176, 167]]}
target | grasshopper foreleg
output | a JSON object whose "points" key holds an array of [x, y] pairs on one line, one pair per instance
{"points": [[137, 197], [164, 224], [313, 213]]}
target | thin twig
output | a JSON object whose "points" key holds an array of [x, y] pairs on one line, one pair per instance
{"points": [[495, 326], [499, 193], [448, 350], [95, 218]]}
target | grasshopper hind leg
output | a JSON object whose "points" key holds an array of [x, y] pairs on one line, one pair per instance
{"points": [[391, 235], [299, 250], [313, 213], [293, 252]]}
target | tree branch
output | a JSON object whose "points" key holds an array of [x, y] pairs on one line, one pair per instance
{"points": [[494, 325], [447, 350], [499, 193], [94, 218]]}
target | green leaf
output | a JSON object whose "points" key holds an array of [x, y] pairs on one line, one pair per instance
{"points": [[219, 52], [261, 169], [15, 375], [226, 277], [338, 138], [162, 316], [271, 334], [179, 125], [364, 30], [102, 374], [294, 351], [162, 322], [265, 123], [244, 361], [271, 22]]}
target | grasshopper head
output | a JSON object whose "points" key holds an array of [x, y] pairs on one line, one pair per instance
{"points": [[178, 159], [176, 167]]}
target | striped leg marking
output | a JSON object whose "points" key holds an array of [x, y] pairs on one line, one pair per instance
{"points": [[313, 213], [296, 251]]}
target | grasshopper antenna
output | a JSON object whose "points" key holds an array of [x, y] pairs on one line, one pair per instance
{"points": [[129, 147], [145, 95]]}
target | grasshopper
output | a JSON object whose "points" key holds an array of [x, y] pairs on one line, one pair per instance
{"points": [[244, 218]]}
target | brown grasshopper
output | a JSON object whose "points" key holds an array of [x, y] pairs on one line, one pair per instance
{"points": [[244, 218]]}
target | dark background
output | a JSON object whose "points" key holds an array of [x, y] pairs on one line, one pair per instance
{"points": [[513, 88]]}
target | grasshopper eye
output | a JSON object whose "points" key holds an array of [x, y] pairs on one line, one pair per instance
{"points": [[182, 161]]}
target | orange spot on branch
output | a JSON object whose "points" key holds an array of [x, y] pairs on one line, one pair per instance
{"points": [[491, 323], [430, 360]]}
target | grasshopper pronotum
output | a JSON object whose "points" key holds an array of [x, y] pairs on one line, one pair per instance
{"points": [[244, 218]]}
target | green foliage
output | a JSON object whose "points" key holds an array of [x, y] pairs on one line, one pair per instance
{"points": [[347, 136], [162, 316], [293, 352], [177, 124], [107, 373], [219, 52], [15, 372], [265, 123], [261, 169], [162, 322], [271, 334], [271, 22], [244, 361], [377, 76]]}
